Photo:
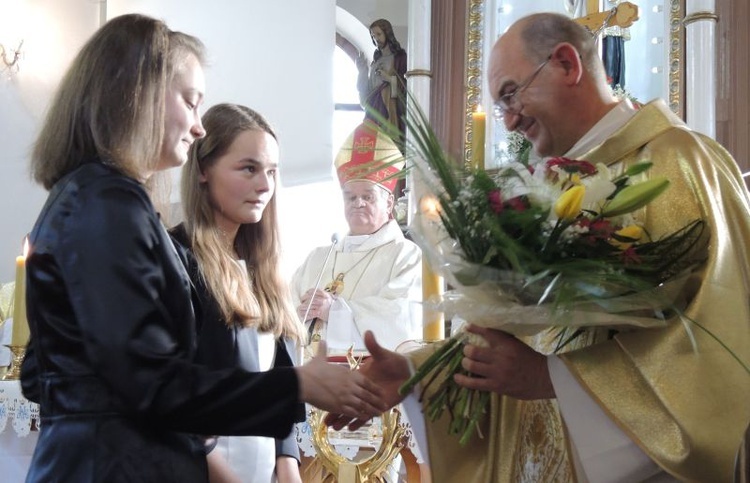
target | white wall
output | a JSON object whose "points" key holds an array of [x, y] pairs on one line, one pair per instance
{"points": [[308, 216], [53, 31]]}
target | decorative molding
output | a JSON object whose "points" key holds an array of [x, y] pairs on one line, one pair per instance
{"points": [[697, 16], [676, 42], [418, 73], [372, 468], [474, 61]]}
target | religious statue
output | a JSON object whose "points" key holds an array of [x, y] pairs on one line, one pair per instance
{"points": [[613, 26], [382, 84]]}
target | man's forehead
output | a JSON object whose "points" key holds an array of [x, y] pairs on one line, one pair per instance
{"points": [[360, 188], [507, 59]]}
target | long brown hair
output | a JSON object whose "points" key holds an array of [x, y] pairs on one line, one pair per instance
{"points": [[390, 37], [109, 106], [256, 297]]}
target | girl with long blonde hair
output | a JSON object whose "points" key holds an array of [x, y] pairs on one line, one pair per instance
{"points": [[231, 229]]}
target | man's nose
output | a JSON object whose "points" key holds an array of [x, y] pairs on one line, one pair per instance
{"points": [[511, 120]]}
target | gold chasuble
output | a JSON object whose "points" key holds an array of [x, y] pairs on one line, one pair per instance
{"points": [[686, 409]]}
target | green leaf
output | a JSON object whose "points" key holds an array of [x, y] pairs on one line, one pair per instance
{"points": [[638, 168]]}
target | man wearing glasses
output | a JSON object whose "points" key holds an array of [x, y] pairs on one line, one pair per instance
{"points": [[642, 404]]}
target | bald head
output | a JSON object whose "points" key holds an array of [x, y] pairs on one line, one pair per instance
{"points": [[541, 32]]}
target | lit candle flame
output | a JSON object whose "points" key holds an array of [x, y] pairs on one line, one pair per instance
{"points": [[430, 207]]}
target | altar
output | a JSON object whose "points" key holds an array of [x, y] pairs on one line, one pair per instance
{"points": [[19, 422]]}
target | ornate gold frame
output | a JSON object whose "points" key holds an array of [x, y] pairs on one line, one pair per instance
{"points": [[474, 71], [474, 62], [676, 62], [373, 468]]}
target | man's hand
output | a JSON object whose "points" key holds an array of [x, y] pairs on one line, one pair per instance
{"points": [[336, 388], [321, 305], [507, 366], [387, 370]]}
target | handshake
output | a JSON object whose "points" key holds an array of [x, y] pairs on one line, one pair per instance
{"points": [[503, 365], [353, 397]]}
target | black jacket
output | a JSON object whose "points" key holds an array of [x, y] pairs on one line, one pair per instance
{"points": [[113, 340], [218, 344]]}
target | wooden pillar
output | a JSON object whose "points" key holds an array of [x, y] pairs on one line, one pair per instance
{"points": [[733, 79], [448, 93]]}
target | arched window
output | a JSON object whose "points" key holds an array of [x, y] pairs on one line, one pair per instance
{"points": [[347, 112]]}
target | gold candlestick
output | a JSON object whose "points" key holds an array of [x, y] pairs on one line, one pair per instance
{"points": [[18, 352]]}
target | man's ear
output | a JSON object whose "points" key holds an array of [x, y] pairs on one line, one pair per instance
{"points": [[390, 202], [567, 56]]}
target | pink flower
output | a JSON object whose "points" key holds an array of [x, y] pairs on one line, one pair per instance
{"points": [[598, 230], [518, 203], [630, 256], [496, 201], [570, 166], [601, 229]]}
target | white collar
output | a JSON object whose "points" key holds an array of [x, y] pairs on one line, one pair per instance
{"points": [[386, 234], [352, 242], [603, 129]]}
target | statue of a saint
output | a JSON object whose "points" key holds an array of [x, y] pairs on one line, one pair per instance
{"points": [[382, 84]]}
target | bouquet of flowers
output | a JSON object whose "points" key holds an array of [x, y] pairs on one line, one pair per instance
{"points": [[528, 248]]}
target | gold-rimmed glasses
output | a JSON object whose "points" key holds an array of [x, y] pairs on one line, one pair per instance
{"points": [[510, 103]]}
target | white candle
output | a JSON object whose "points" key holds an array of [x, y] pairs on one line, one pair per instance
{"points": [[20, 336]]}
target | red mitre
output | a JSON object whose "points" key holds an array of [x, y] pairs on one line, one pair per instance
{"points": [[369, 155]]}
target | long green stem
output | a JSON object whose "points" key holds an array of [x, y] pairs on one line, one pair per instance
{"points": [[429, 364], [717, 339], [450, 363]]}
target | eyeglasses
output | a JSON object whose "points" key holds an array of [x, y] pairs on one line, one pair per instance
{"points": [[509, 103]]}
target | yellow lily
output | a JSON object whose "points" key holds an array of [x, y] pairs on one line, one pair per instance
{"points": [[633, 232], [568, 205]]}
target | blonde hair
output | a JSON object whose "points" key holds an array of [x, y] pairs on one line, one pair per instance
{"points": [[109, 106], [259, 297]]}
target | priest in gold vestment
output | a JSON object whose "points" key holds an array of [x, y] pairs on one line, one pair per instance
{"points": [[643, 405]]}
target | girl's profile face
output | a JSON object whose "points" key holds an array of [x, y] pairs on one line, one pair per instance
{"points": [[182, 122], [242, 181]]}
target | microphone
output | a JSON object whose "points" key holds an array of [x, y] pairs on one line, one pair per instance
{"points": [[334, 239]]}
